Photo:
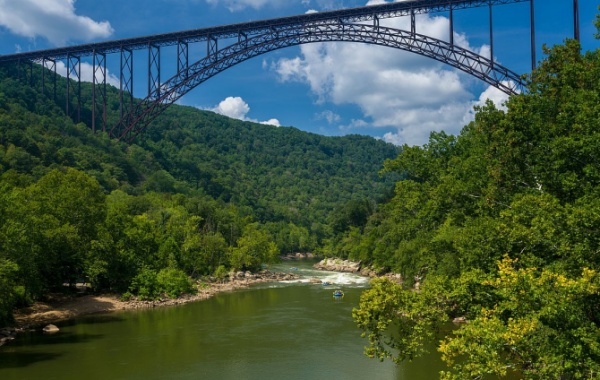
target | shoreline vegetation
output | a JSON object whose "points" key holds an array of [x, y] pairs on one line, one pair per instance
{"points": [[58, 308], [63, 307]]}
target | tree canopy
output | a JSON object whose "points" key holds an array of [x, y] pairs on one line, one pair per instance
{"points": [[497, 225]]}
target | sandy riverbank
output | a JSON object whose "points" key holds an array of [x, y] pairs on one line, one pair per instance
{"points": [[61, 308]]}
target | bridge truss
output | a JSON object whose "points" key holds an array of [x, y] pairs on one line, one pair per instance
{"points": [[255, 38]]}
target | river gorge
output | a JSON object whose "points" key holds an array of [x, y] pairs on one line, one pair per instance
{"points": [[284, 330]]}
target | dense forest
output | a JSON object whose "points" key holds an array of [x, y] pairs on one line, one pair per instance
{"points": [[499, 227], [197, 194]]}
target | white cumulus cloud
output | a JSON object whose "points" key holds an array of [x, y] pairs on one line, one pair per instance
{"points": [[498, 97], [55, 20], [237, 108], [274, 122], [394, 89], [234, 107]]}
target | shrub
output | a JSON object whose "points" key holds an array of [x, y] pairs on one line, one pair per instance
{"points": [[145, 285], [174, 282]]}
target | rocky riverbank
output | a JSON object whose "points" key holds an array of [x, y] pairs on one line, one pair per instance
{"points": [[339, 265], [59, 308]]}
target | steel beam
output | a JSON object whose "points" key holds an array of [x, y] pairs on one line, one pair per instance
{"points": [[254, 28], [212, 47], [183, 58], [126, 91], [460, 58], [532, 24], [153, 71], [74, 69], [576, 19], [451, 25], [50, 65], [491, 34], [99, 89]]}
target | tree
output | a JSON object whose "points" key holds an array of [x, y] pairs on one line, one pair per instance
{"points": [[536, 323], [543, 325], [398, 322], [8, 283], [50, 226], [254, 248]]}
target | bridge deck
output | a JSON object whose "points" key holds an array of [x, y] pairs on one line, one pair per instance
{"points": [[349, 15]]}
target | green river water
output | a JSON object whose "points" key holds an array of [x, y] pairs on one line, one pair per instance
{"points": [[289, 331]]}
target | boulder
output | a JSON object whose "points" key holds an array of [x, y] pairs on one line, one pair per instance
{"points": [[395, 277], [50, 329], [338, 265], [459, 320]]}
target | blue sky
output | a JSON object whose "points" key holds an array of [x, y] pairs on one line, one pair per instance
{"points": [[330, 89]]}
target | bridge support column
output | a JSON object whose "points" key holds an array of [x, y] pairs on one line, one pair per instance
{"points": [[532, 15], [576, 20], [491, 35], [242, 37], [126, 92], [212, 47], [183, 59], [49, 64], [99, 83], [451, 26], [74, 68], [31, 73], [153, 71]]}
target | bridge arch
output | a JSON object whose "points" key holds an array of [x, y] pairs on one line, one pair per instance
{"points": [[246, 48]]}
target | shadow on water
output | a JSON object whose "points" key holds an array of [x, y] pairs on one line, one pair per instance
{"points": [[93, 319], [42, 339], [13, 355], [24, 359]]}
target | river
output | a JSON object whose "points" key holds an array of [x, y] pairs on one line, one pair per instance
{"points": [[294, 330]]}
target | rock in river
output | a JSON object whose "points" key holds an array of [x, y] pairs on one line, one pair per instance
{"points": [[50, 329]]}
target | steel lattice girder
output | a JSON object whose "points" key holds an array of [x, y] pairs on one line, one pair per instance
{"points": [[99, 88], [463, 59], [249, 29]]}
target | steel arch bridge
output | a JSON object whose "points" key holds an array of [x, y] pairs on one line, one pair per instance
{"points": [[260, 37]]}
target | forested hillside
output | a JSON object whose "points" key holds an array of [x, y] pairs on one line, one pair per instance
{"points": [[280, 173], [500, 226], [196, 194]]}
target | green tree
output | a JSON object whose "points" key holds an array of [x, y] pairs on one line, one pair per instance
{"points": [[174, 282], [399, 322], [145, 284], [544, 325], [50, 226], [8, 283], [254, 248]]}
